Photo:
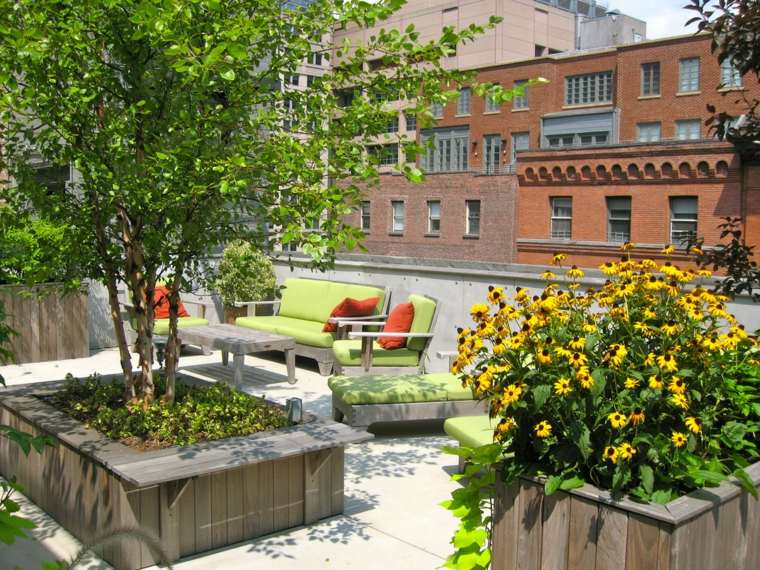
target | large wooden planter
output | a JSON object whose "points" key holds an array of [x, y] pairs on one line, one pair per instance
{"points": [[192, 499], [50, 325], [585, 529]]}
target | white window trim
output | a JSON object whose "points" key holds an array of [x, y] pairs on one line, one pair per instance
{"points": [[560, 218]]}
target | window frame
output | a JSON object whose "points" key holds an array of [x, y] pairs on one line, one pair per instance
{"points": [[464, 102], [679, 123], [450, 152], [691, 84], [650, 86], [589, 89], [554, 217], [436, 110], [648, 124], [514, 136], [469, 218], [490, 106], [394, 228], [490, 155], [521, 102], [431, 219], [365, 215], [407, 127], [735, 80], [674, 220], [610, 219]]}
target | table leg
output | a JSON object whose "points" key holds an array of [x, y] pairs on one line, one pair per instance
{"points": [[225, 358], [366, 353], [290, 362], [238, 360]]}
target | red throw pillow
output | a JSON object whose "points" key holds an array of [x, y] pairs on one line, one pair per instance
{"points": [[161, 304], [400, 320], [349, 307]]}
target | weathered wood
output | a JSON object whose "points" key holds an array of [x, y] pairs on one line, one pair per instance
{"points": [[337, 482], [149, 521], [556, 533], [265, 498], [642, 543], [529, 538], [169, 520], [281, 494], [584, 516], [188, 524], [296, 490], [219, 517], [506, 525], [203, 513], [664, 547], [612, 530], [235, 506]]}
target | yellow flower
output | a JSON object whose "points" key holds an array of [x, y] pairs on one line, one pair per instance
{"points": [[655, 382], [562, 387], [694, 424], [574, 273], [627, 246], [543, 429], [584, 378], [667, 362], [589, 328], [711, 342], [577, 343], [677, 385], [616, 354], [637, 416], [680, 401], [495, 295], [544, 356], [678, 439], [649, 313], [626, 451], [649, 360], [503, 427], [611, 454], [562, 352], [642, 328], [512, 393], [479, 312], [609, 268], [697, 250], [498, 346], [668, 249], [548, 275], [671, 327], [558, 258], [578, 359], [617, 420], [631, 383]]}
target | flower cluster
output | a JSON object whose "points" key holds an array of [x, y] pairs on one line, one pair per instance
{"points": [[645, 385]]}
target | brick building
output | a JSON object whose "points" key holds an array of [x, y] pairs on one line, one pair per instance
{"points": [[614, 147]]}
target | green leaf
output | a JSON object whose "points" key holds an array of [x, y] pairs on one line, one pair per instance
{"points": [[706, 476], [661, 497], [646, 474], [552, 484], [745, 481], [581, 435], [598, 374], [572, 483], [228, 75], [541, 393]]}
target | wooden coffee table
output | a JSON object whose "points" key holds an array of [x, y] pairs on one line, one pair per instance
{"points": [[240, 341]]}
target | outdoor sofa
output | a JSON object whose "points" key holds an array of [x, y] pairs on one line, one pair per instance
{"points": [[303, 310], [470, 431]]}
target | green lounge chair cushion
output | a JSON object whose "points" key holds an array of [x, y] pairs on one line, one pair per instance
{"points": [[424, 309], [314, 299], [391, 389], [471, 431], [161, 326], [304, 332], [349, 353]]}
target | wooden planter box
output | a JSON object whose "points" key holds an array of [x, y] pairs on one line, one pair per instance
{"points": [[192, 498], [50, 326], [585, 529]]}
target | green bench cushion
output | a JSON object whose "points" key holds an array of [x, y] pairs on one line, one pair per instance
{"points": [[471, 431], [161, 326], [314, 299], [424, 309], [349, 353], [390, 389], [304, 332]]}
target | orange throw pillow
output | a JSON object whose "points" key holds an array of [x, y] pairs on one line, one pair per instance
{"points": [[161, 304], [349, 307], [400, 320]]}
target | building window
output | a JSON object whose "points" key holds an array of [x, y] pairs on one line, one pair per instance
{"points": [[463, 102], [392, 125], [53, 178], [688, 130], [520, 141], [588, 89], [650, 79], [729, 75], [521, 101], [449, 151], [688, 75], [619, 219], [386, 154], [492, 152], [559, 141], [592, 139], [648, 132], [436, 109], [491, 105], [683, 219], [434, 217], [411, 121], [562, 218], [473, 217], [310, 80], [398, 214], [293, 79], [539, 50], [345, 96], [366, 221], [315, 58]]}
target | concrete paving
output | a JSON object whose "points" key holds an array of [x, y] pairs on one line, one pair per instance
{"points": [[394, 484]]}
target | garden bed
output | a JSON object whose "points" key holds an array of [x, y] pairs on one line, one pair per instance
{"points": [[586, 528], [192, 498]]}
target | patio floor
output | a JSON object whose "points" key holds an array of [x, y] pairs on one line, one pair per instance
{"points": [[393, 486]]}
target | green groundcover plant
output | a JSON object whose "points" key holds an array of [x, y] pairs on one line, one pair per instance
{"points": [[200, 413], [645, 386]]}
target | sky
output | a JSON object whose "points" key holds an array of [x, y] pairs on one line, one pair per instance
{"points": [[663, 17]]}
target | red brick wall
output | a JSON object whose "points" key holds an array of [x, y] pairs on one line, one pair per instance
{"points": [[751, 206], [497, 203]]}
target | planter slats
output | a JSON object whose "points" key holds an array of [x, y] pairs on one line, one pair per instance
{"points": [[556, 525], [612, 531], [582, 533]]}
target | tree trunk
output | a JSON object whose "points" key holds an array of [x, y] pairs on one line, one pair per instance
{"points": [[142, 297], [172, 344], [125, 356]]}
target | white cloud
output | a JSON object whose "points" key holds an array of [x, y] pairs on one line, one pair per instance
{"points": [[663, 17]]}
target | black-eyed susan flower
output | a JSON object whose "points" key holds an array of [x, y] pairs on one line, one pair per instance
{"points": [[548, 275], [677, 385], [584, 378], [617, 420], [668, 249], [511, 394], [479, 312], [562, 387], [578, 359], [577, 343], [609, 268], [655, 382], [649, 360], [495, 295], [504, 427], [611, 454], [670, 327], [667, 362], [694, 424], [575, 273], [637, 416], [558, 258], [631, 383], [678, 439], [627, 246], [626, 451], [544, 356], [697, 250], [543, 429], [680, 401], [616, 354]]}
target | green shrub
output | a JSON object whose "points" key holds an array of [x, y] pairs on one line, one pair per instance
{"points": [[244, 274], [200, 413]]}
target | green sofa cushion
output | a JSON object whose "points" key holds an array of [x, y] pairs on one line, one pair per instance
{"points": [[304, 332], [349, 353], [393, 389], [161, 326], [314, 299], [471, 431], [424, 309]]}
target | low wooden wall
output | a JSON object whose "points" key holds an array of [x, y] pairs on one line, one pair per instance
{"points": [[710, 529], [187, 516], [50, 325]]}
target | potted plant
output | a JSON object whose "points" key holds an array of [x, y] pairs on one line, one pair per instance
{"points": [[245, 273], [626, 400]]}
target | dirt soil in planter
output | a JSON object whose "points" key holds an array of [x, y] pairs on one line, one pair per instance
{"points": [[200, 413]]}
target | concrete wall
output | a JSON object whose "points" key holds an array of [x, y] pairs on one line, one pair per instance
{"points": [[458, 286], [610, 30]]}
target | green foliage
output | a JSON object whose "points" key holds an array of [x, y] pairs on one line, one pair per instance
{"points": [[200, 413], [6, 333], [244, 274]]}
